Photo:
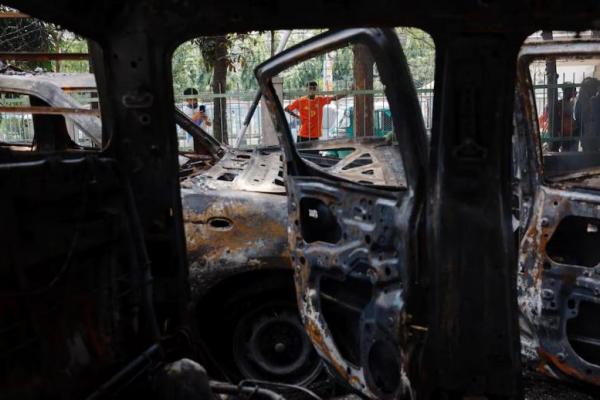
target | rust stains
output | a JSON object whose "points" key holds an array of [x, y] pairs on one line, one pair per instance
{"points": [[236, 230], [569, 370], [315, 335]]}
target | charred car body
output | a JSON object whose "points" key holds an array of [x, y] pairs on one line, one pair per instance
{"points": [[226, 246], [449, 326], [558, 259], [234, 213], [240, 271], [81, 125]]}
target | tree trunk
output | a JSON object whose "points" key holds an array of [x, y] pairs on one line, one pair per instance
{"points": [[219, 86], [363, 80]]}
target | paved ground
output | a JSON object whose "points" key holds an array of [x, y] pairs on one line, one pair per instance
{"points": [[540, 388], [537, 388]]}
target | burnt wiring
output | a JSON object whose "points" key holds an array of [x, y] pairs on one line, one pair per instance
{"points": [[240, 389], [135, 368], [282, 385]]}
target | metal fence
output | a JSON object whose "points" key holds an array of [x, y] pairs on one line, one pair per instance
{"points": [[15, 128], [337, 119], [568, 110], [18, 128]]}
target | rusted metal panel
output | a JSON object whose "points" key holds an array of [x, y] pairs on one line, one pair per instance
{"points": [[41, 56], [230, 232], [349, 235], [47, 87], [551, 289], [47, 110], [144, 33], [348, 258], [15, 14], [385, 167], [558, 284]]}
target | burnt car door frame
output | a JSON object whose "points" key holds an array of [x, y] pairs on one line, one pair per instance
{"points": [[203, 142], [369, 251], [551, 290]]}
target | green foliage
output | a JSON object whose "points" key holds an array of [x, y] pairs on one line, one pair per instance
{"points": [[66, 42], [25, 34], [419, 49], [192, 62], [300, 75], [342, 68], [189, 69], [31, 34]]}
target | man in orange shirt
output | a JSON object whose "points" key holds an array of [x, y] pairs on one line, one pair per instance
{"points": [[309, 109]]}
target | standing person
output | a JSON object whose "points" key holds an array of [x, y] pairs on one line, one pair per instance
{"points": [[563, 124], [309, 110], [585, 114], [191, 104], [201, 118], [189, 108]]}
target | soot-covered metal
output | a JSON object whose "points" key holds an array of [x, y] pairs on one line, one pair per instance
{"points": [[97, 297]]}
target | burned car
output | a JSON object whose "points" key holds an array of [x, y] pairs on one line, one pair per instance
{"points": [[557, 169], [240, 272], [347, 278], [95, 278], [233, 248], [234, 209], [37, 100], [350, 278]]}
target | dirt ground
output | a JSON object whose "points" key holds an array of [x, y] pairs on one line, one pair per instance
{"points": [[538, 387]]}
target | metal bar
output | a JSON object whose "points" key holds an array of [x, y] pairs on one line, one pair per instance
{"points": [[81, 89], [212, 96], [297, 93], [41, 56], [142, 361], [47, 110], [304, 92], [556, 85], [13, 14]]}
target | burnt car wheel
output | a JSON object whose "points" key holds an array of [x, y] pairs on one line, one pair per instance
{"points": [[251, 329], [270, 343]]}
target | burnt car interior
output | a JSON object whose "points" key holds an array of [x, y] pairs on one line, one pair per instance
{"points": [[389, 263], [558, 195]]}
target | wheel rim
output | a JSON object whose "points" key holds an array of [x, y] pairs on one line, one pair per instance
{"points": [[270, 343]]}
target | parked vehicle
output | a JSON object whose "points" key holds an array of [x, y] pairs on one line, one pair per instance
{"points": [[235, 215], [235, 229], [408, 290], [82, 123], [382, 118], [559, 216]]}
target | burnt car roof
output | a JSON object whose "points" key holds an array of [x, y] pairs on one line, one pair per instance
{"points": [[373, 160], [66, 81], [51, 87], [370, 161], [259, 170]]}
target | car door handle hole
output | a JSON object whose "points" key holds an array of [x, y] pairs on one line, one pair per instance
{"points": [[318, 222], [220, 223]]}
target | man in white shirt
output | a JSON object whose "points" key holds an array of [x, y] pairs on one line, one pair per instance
{"points": [[191, 104]]}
